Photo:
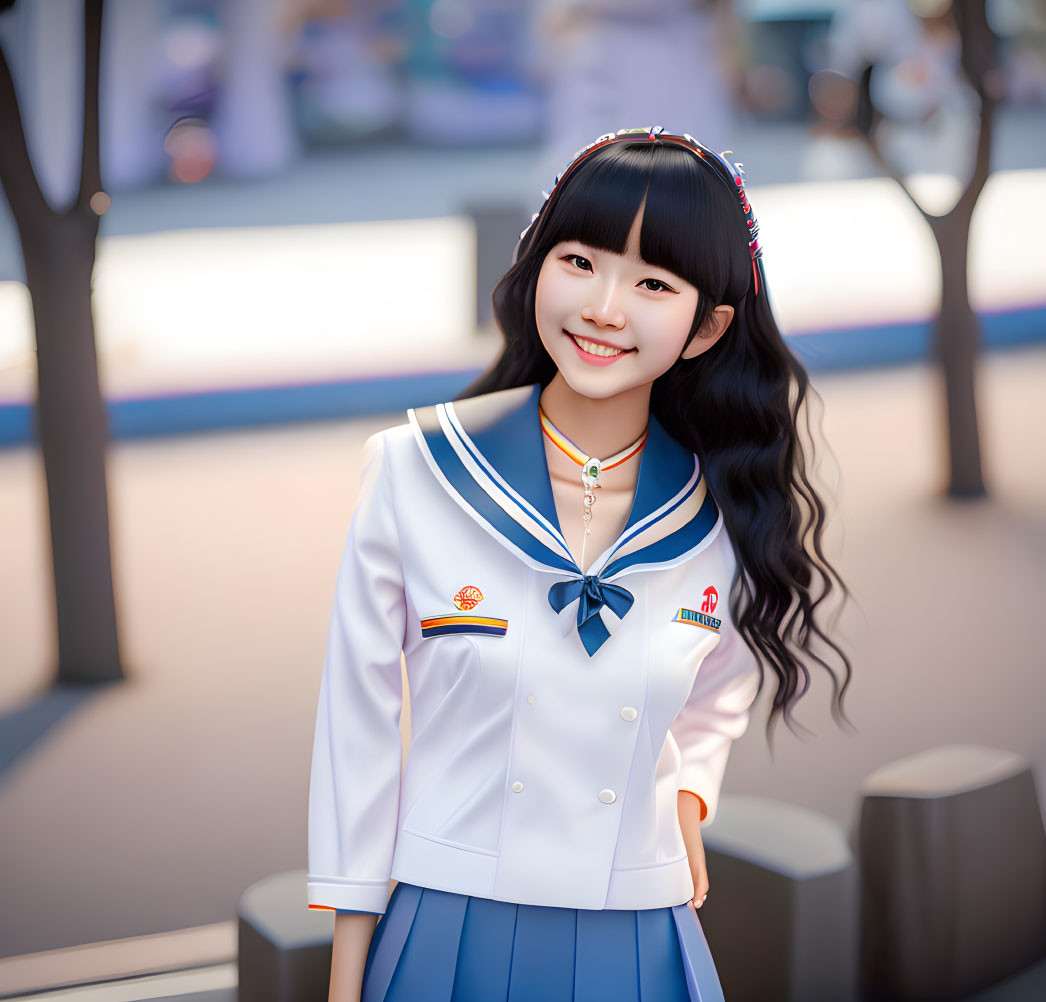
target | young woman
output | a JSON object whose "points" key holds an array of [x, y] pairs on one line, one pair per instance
{"points": [[589, 560]]}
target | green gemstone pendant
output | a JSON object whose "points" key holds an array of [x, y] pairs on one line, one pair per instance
{"points": [[590, 472]]}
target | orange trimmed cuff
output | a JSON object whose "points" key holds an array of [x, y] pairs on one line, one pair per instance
{"points": [[704, 806]]}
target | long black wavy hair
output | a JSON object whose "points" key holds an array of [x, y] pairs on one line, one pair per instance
{"points": [[736, 405]]}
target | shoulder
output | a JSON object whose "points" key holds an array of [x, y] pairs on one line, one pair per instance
{"points": [[382, 447], [389, 439], [478, 420], [719, 554], [474, 415], [724, 555]]}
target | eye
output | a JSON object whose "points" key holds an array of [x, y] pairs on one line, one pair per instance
{"points": [[661, 285], [584, 263]]}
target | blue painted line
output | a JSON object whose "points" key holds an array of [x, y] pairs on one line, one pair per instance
{"points": [[207, 411], [16, 425], [184, 413], [897, 344]]}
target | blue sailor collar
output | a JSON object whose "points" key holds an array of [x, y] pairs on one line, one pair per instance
{"points": [[489, 455]]}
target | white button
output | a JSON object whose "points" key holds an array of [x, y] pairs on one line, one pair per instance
{"points": [[530, 698], [517, 787], [607, 796], [628, 713]]}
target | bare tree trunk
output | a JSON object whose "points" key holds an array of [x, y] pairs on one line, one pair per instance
{"points": [[957, 335], [73, 429], [957, 329], [59, 250]]}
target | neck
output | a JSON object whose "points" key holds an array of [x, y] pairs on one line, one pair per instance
{"points": [[598, 426]]}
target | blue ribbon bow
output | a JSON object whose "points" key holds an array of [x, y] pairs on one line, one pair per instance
{"points": [[592, 594]]}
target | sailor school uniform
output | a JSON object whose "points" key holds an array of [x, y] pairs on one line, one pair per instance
{"points": [[555, 714]]}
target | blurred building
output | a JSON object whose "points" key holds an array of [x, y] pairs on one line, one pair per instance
{"points": [[242, 88]]}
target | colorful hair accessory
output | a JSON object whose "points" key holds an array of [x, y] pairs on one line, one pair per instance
{"points": [[730, 171]]}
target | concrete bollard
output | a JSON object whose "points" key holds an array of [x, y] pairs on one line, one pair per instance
{"points": [[953, 865], [284, 946], [781, 916]]}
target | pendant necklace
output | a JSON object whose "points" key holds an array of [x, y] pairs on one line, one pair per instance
{"points": [[591, 467]]}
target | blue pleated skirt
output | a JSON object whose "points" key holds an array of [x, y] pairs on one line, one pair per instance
{"points": [[438, 946]]}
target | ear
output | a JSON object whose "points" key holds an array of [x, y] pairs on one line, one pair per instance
{"points": [[710, 331]]}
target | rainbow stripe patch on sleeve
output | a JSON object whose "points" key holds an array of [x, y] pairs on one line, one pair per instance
{"points": [[441, 626], [698, 619]]}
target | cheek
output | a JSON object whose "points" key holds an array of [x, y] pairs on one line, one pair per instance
{"points": [[670, 328], [665, 334], [548, 303], [681, 321]]}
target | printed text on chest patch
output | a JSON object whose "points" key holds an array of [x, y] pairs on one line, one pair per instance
{"points": [[441, 626], [697, 619]]}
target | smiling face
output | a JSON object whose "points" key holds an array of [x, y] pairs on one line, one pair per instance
{"points": [[611, 322]]}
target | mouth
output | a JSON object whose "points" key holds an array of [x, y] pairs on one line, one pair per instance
{"points": [[597, 352]]}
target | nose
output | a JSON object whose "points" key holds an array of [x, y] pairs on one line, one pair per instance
{"points": [[603, 310]]}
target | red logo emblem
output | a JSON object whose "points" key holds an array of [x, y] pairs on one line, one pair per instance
{"points": [[711, 597], [468, 598]]}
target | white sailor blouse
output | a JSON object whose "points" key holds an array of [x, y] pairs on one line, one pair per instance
{"points": [[555, 714]]}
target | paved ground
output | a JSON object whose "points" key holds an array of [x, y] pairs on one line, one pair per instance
{"points": [[150, 806]]}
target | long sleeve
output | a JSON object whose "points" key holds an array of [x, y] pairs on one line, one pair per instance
{"points": [[715, 715], [357, 752]]}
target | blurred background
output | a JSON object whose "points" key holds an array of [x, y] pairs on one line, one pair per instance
{"points": [[302, 209]]}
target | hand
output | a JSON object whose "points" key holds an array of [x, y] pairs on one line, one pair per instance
{"points": [[699, 873], [689, 809]]}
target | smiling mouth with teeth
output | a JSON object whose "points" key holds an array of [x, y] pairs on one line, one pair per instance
{"points": [[593, 348]]}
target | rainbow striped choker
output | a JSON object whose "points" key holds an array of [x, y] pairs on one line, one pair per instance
{"points": [[591, 467]]}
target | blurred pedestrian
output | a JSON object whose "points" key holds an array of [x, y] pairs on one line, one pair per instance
{"points": [[604, 62]]}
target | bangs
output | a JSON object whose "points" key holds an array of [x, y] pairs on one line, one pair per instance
{"points": [[693, 224]]}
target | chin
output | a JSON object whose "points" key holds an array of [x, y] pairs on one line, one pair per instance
{"points": [[595, 384]]}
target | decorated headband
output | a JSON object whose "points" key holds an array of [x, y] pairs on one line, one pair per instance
{"points": [[727, 170]]}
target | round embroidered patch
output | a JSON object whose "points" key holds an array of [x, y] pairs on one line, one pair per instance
{"points": [[468, 598]]}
